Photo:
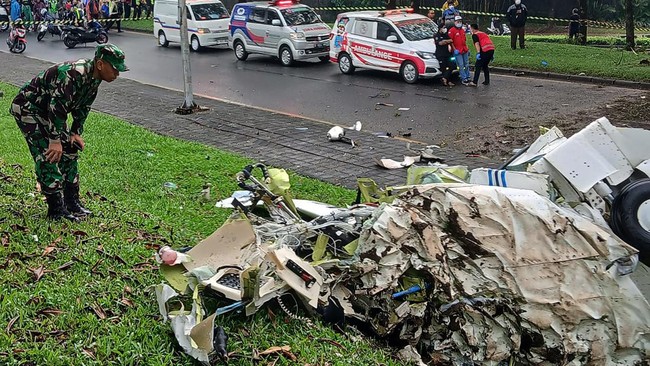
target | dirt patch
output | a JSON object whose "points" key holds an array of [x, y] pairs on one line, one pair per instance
{"points": [[498, 140]]}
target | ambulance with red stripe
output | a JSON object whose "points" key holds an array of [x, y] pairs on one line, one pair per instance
{"points": [[282, 28], [394, 40]]}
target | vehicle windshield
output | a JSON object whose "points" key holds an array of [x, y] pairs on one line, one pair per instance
{"points": [[210, 11], [417, 29], [299, 16]]}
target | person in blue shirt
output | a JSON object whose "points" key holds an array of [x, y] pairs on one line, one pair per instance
{"points": [[16, 10], [449, 15]]}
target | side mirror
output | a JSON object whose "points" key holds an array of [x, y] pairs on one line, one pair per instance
{"points": [[276, 22], [391, 38]]}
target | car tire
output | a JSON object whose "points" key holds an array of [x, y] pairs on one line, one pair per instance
{"points": [[409, 72], [345, 64], [324, 59], [630, 217], [162, 39], [240, 50], [195, 45], [286, 56]]}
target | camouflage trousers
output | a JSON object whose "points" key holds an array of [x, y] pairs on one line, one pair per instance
{"points": [[51, 176]]}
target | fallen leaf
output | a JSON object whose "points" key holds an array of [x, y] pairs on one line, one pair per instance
{"points": [[101, 314], [271, 315], [56, 241], [35, 300], [119, 259], [17, 227], [337, 344], [127, 289], [65, 266], [79, 233], [89, 353], [4, 239], [11, 324], [48, 250], [284, 350], [94, 267], [38, 273], [126, 302], [50, 312]]}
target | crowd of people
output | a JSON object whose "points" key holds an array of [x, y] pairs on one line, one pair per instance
{"points": [[452, 50], [80, 11]]}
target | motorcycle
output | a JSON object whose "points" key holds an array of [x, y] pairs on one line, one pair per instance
{"points": [[94, 33], [48, 26], [16, 40], [4, 18], [497, 28]]}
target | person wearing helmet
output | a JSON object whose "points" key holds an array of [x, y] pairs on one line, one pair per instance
{"points": [[517, 15], [41, 110], [461, 51]]}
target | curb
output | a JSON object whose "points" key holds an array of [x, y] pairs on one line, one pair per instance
{"points": [[575, 78]]}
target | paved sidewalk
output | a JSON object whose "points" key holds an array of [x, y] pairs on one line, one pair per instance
{"points": [[289, 142]]}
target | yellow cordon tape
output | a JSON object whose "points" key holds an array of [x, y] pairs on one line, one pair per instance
{"points": [[591, 23], [30, 22]]}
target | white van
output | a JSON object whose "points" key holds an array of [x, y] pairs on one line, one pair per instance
{"points": [[282, 28], [207, 23]]}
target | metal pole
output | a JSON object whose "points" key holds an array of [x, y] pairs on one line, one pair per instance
{"points": [[185, 55]]}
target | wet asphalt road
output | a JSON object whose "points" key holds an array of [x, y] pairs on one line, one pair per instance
{"points": [[320, 91]]}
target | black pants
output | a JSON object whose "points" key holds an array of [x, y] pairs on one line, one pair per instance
{"points": [[517, 32], [445, 67], [482, 64]]}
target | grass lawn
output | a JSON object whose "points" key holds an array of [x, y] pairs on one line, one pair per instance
{"points": [[142, 25], [75, 294], [570, 59]]}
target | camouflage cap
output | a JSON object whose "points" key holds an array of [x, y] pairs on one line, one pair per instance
{"points": [[111, 54]]}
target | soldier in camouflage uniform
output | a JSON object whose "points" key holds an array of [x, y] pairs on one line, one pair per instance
{"points": [[41, 111]]}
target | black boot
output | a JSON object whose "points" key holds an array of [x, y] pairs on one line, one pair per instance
{"points": [[56, 208], [72, 203]]}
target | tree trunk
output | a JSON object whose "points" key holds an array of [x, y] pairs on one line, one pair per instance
{"points": [[584, 15], [391, 4], [629, 24]]}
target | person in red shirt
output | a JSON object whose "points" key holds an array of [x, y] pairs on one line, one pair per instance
{"points": [[484, 54], [461, 52]]}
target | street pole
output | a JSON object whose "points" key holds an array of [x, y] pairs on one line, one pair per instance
{"points": [[188, 105]]}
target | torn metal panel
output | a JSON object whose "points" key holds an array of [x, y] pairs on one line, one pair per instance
{"points": [[223, 247]]}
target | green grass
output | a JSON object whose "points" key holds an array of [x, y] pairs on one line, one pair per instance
{"points": [[142, 25], [106, 262], [591, 41], [570, 59]]}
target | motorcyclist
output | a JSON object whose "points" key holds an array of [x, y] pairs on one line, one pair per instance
{"points": [[17, 24]]}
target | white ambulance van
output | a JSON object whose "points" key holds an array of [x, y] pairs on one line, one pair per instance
{"points": [[207, 23]]}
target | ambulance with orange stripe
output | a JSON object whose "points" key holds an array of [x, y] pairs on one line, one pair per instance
{"points": [[282, 28], [394, 40]]}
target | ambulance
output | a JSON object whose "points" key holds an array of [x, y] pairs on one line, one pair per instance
{"points": [[394, 40], [281, 28], [207, 23]]}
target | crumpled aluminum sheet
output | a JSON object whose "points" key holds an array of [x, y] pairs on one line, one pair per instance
{"points": [[513, 277]]}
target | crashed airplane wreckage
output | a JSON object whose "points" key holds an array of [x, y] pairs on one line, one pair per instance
{"points": [[456, 273]]}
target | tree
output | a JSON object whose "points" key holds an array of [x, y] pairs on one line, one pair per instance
{"points": [[629, 24]]}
